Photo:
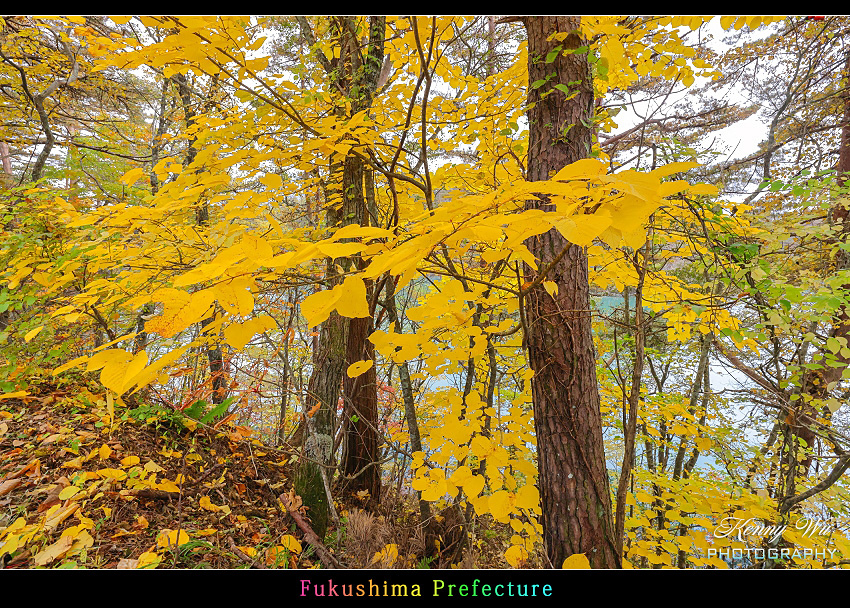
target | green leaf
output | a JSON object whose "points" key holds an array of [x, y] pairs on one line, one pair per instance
{"points": [[217, 412], [550, 57], [196, 410], [833, 345]]}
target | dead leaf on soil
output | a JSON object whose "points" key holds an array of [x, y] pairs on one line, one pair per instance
{"points": [[54, 551], [8, 486]]}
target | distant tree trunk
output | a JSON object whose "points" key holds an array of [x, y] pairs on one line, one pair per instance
{"points": [[5, 158], [428, 523], [574, 488], [215, 355]]}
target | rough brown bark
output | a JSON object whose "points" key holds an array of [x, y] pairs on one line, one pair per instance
{"points": [[322, 398], [4, 157], [361, 409], [576, 503], [362, 439]]}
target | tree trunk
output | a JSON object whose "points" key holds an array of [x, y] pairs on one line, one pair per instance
{"points": [[322, 398], [428, 523], [347, 205], [574, 487], [361, 411], [817, 381], [362, 439], [215, 357]]}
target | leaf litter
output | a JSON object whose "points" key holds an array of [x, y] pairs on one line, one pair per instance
{"points": [[85, 485]]}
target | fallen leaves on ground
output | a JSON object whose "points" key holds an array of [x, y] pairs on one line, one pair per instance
{"points": [[83, 485]]}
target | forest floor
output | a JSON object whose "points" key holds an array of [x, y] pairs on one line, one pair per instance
{"points": [[88, 482], [85, 482]]}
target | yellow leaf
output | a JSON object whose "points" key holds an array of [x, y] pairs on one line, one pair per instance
{"points": [[577, 561], [352, 302], [386, 556], [68, 492], [32, 333], [703, 443], [473, 485], [132, 176], [171, 538], [148, 560], [291, 543], [14, 395], [528, 497], [181, 310], [361, 367], [271, 180], [167, 486], [585, 168], [239, 334], [318, 306], [130, 461], [703, 189], [113, 474], [644, 497], [235, 296], [54, 551], [152, 467], [76, 463], [501, 504], [56, 515], [105, 452], [257, 249], [516, 555], [461, 475], [337, 250], [349, 299], [582, 229], [205, 503], [551, 288]]}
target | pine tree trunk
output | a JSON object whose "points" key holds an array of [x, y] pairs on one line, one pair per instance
{"points": [[574, 487]]}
